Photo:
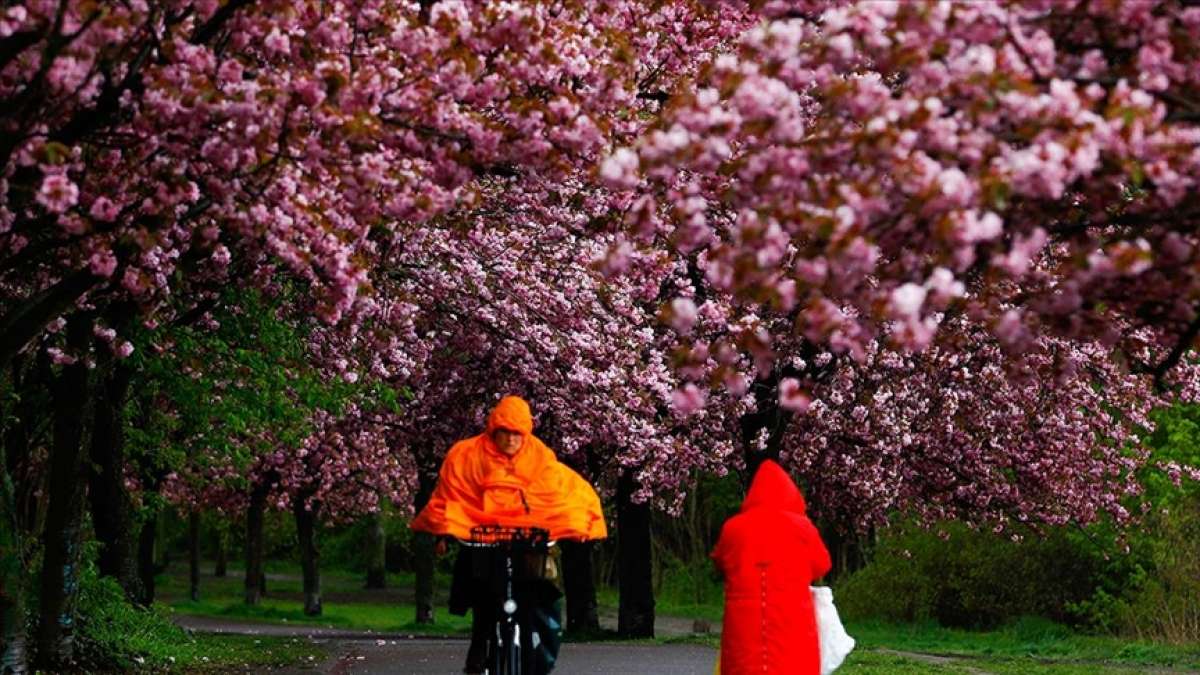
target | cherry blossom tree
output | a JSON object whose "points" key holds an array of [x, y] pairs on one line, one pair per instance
{"points": [[1030, 165], [149, 143], [940, 258]]}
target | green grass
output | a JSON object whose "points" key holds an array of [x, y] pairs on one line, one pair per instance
{"points": [[668, 606], [1026, 639], [874, 663], [350, 616], [114, 636], [870, 662], [222, 653], [345, 603]]}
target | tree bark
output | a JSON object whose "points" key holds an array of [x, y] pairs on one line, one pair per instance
{"points": [[64, 514], [13, 659], [112, 513], [635, 613], [255, 580], [219, 570], [580, 584], [376, 552], [424, 556], [194, 555], [147, 569], [12, 582], [306, 530], [768, 419]]}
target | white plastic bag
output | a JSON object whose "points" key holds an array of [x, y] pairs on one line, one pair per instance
{"points": [[835, 643]]}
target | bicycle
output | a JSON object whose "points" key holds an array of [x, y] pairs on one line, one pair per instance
{"points": [[514, 561]]}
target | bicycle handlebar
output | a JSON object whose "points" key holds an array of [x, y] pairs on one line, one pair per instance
{"points": [[500, 535]]}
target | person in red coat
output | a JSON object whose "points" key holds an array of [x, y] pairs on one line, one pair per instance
{"points": [[770, 553]]}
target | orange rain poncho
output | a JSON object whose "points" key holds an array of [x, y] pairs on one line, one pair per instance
{"points": [[480, 485]]}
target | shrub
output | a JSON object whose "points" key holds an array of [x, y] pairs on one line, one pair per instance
{"points": [[113, 635], [1166, 607], [973, 579]]}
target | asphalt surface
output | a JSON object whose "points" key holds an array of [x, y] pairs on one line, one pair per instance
{"points": [[353, 652], [444, 657]]}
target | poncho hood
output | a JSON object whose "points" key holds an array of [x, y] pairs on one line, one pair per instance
{"points": [[511, 413]]}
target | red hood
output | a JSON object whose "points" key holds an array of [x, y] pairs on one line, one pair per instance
{"points": [[772, 488]]}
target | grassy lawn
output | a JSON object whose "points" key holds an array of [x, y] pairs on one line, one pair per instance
{"points": [[346, 604], [1029, 639], [225, 653]]}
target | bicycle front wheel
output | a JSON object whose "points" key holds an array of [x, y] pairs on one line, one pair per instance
{"points": [[506, 650]]}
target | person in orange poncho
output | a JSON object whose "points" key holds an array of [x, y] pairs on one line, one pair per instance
{"points": [[507, 476], [504, 476], [770, 553]]}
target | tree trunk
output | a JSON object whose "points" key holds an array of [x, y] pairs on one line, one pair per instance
{"points": [[580, 584], [12, 582], [376, 552], [112, 517], [255, 580], [12, 626], [219, 569], [194, 555], [306, 526], [768, 421], [147, 570], [424, 556], [64, 513], [635, 614]]}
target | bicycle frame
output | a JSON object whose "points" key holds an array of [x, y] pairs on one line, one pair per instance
{"points": [[505, 650]]}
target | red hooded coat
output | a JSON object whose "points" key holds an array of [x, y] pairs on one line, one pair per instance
{"points": [[770, 553]]}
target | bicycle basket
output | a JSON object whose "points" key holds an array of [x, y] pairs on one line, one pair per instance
{"points": [[513, 537], [527, 546]]}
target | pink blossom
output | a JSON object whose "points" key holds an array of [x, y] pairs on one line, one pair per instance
{"points": [[103, 263], [683, 315], [620, 169], [58, 193], [103, 209], [688, 399], [58, 357], [792, 397], [907, 299]]}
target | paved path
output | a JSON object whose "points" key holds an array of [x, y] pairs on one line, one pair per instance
{"points": [[356, 652], [445, 657]]}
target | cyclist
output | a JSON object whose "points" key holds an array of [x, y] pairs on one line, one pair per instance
{"points": [[504, 476]]}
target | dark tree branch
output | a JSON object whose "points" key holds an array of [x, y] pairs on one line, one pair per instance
{"points": [[1182, 346], [660, 96], [209, 29], [25, 322], [12, 46]]}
